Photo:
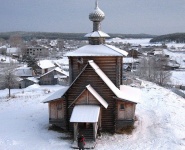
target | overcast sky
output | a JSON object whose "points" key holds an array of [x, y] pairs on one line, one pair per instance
{"points": [[122, 16]]}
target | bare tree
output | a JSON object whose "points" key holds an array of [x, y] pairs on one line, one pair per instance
{"points": [[3, 51], [153, 69], [15, 40], [2, 42], [8, 78]]}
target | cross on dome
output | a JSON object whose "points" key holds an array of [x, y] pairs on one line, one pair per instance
{"points": [[96, 4]]}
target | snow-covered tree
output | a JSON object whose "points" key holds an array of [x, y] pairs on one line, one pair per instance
{"points": [[153, 69], [7, 78]]}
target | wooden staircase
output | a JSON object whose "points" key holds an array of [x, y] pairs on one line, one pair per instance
{"points": [[88, 133]]}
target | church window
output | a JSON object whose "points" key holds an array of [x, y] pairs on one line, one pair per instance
{"points": [[122, 107], [80, 60]]}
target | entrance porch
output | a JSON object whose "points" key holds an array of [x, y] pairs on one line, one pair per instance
{"points": [[86, 120]]}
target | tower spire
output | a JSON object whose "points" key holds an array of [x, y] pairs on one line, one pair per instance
{"points": [[97, 36], [96, 4], [96, 17]]}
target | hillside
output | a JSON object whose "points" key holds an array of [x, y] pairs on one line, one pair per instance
{"points": [[69, 36], [159, 126], [175, 37]]}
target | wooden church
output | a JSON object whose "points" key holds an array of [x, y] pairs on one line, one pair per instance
{"points": [[96, 100]]}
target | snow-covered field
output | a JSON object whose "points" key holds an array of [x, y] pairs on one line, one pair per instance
{"points": [[143, 42], [24, 122]]}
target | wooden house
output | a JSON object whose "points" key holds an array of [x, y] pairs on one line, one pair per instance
{"points": [[54, 76], [96, 100], [133, 53], [25, 82], [43, 66]]}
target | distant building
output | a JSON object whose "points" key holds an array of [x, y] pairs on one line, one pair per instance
{"points": [[133, 53], [13, 51], [44, 66], [24, 72], [55, 76], [25, 82], [37, 51]]}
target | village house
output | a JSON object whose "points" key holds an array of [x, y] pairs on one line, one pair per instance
{"points": [[13, 51], [95, 100], [25, 76], [133, 53], [54, 76], [43, 66]]}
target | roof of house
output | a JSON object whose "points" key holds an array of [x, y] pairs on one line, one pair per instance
{"points": [[127, 92], [33, 79], [127, 60], [97, 50], [44, 64], [65, 74], [56, 95], [62, 71], [85, 113], [23, 71], [12, 50]]}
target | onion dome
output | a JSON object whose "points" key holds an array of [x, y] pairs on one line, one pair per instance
{"points": [[97, 15]]}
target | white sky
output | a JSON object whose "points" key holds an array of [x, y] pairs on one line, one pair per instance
{"points": [[122, 16]]}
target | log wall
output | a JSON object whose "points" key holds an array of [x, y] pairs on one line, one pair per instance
{"points": [[57, 111], [89, 76], [110, 65]]}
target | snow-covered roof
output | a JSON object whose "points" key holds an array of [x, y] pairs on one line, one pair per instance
{"points": [[85, 113], [109, 83], [56, 95], [97, 96], [60, 76], [97, 50], [130, 93], [44, 64], [62, 71], [173, 64], [12, 50], [33, 79], [23, 71], [158, 52], [19, 79], [97, 34], [128, 60], [58, 70]]}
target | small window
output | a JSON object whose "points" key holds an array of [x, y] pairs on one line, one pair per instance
{"points": [[80, 60], [122, 107]]}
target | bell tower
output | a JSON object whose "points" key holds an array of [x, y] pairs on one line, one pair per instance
{"points": [[97, 37]]}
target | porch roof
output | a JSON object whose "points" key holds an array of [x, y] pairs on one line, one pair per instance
{"points": [[85, 113]]}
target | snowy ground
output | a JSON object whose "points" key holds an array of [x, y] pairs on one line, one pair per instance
{"points": [[24, 122], [178, 77], [6, 59], [143, 42]]}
